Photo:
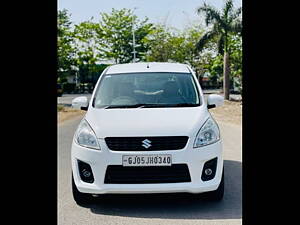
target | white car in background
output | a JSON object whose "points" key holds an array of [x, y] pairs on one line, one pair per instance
{"points": [[147, 130]]}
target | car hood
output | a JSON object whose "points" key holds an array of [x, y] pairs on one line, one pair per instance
{"points": [[146, 121]]}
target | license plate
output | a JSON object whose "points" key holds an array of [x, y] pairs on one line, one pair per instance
{"points": [[147, 160]]}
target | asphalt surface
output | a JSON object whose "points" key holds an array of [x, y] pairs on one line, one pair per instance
{"points": [[154, 209]]}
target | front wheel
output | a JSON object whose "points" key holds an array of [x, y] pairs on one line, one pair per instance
{"points": [[80, 198]]}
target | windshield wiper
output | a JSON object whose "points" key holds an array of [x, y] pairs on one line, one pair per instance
{"points": [[170, 105], [140, 105], [147, 105], [184, 105], [123, 106]]}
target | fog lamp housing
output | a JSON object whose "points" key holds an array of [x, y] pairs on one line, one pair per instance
{"points": [[209, 169], [85, 172]]}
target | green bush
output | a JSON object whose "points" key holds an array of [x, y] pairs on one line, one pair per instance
{"points": [[60, 108], [68, 88]]}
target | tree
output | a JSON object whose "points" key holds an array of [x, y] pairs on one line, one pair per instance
{"points": [[236, 56], [222, 24], [198, 61], [167, 45], [116, 30], [65, 50], [158, 41], [88, 49], [215, 69]]}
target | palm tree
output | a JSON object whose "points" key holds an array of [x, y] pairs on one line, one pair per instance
{"points": [[223, 23]]}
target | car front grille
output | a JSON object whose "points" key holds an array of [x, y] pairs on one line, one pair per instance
{"points": [[117, 174], [146, 143]]}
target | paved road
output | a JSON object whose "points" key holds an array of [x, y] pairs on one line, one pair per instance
{"points": [[159, 209]]}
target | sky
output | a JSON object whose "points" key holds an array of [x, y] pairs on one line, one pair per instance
{"points": [[174, 13]]}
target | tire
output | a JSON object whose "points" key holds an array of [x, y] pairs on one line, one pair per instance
{"points": [[218, 194], [80, 198]]}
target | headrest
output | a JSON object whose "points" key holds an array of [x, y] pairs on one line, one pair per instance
{"points": [[171, 88]]}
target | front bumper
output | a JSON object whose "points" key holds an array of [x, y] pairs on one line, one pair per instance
{"points": [[193, 157]]}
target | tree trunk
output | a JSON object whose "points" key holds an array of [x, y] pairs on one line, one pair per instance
{"points": [[226, 78], [199, 77]]}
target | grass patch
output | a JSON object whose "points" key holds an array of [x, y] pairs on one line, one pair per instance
{"points": [[60, 108]]}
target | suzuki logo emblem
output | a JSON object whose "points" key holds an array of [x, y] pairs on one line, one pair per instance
{"points": [[146, 143]]}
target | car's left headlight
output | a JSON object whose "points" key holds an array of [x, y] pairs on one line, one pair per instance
{"points": [[85, 136], [208, 134]]}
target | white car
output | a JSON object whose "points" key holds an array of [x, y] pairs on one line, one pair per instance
{"points": [[147, 130]]}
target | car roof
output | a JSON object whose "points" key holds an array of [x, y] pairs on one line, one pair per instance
{"points": [[148, 67]]}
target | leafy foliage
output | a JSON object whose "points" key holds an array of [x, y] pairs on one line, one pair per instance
{"points": [[170, 46], [236, 56], [215, 65], [116, 31], [65, 50], [83, 46], [223, 24], [88, 49]]}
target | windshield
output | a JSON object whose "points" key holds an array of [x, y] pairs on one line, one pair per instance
{"points": [[146, 90]]}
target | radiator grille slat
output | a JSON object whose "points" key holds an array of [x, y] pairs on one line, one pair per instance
{"points": [[155, 143]]}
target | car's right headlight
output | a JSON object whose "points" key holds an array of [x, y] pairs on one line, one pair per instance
{"points": [[208, 134], [85, 136]]}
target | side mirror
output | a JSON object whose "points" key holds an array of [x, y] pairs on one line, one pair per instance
{"points": [[214, 100], [80, 103]]}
